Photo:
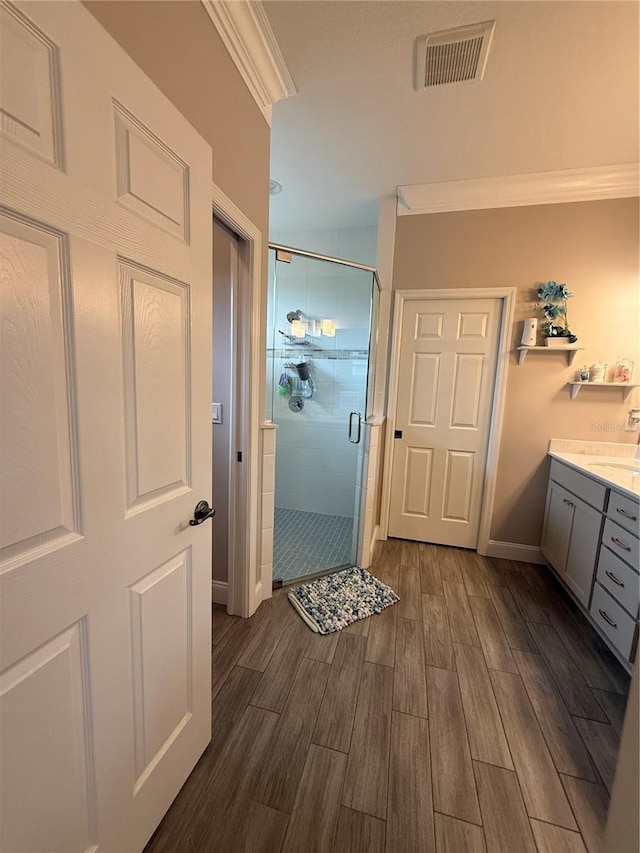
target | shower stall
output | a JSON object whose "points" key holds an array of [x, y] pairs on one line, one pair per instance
{"points": [[321, 312]]}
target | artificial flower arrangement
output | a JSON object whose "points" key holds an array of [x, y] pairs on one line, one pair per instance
{"points": [[554, 296]]}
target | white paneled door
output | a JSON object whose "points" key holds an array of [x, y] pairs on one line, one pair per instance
{"points": [[106, 445], [445, 387]]}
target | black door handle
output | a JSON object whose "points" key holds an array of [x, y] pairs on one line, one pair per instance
{"points": [[201, 513], [351, 417]]}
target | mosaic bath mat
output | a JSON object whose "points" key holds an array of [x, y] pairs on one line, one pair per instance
{"points": [[335, 601]]}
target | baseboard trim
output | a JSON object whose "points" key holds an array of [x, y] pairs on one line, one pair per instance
{"points": [[515, 551], [219, 592]]}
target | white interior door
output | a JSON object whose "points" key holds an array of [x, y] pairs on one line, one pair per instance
{"points": [[106, 444], [445, 387]]}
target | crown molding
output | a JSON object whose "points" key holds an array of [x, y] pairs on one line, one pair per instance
{"points": [[246, 32], [589, 184]]}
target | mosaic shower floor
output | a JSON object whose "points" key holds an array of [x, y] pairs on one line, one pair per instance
{"points": [[308, 542]]}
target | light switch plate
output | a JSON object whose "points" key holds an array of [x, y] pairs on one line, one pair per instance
{"points": [[216, 413]]}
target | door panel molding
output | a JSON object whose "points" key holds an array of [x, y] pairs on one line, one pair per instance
{"points": [[52, 682], [419, 462], [156, 363], [426, 373], [508, 297], [33, 121], [467, 384], [151, 179], [41, 501], [458, 479], [160, 642]]}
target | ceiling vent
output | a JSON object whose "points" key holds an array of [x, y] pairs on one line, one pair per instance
{"points": [[452, 56]]}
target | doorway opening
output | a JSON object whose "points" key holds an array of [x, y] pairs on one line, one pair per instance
{"points": [[239, 354], [226, 249], [319, 326]]}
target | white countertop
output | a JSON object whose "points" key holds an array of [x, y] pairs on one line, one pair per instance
{"points": [[616, 466]]}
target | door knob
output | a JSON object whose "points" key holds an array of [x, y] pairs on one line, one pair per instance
{"points": [[201, 513]]}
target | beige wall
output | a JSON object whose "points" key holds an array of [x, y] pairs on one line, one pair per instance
{"points": [[177, 46], [593, 247]]}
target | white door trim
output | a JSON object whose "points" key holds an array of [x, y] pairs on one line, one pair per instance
{"points": [[244, 589], [508, 297]]}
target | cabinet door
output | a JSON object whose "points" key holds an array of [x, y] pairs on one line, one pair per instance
{"points": [[583, 550], [558, 521]]}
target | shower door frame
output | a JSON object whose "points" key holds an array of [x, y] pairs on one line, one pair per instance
{"points": [[371, 360]]}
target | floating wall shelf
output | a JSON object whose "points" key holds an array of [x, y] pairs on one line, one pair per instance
{"points": [[569, 349], [626, 387]]}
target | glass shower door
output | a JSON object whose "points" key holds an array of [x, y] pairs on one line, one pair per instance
{"points": [[320, 313]]}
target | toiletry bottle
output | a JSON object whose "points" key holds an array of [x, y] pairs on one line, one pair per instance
{"points": [[584, 374], [598, 372]]}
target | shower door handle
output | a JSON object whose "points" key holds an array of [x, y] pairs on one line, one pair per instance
{"points": [[353, 415]]}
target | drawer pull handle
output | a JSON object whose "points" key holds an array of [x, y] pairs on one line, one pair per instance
{"points": [[612, 577], [626, 514], [620, 544], [568, 503], [607, 618]]}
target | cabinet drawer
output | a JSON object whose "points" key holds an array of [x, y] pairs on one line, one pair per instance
{"points": [[625, 511], [622, 543], [584, 487], [619, 580], [613, 621]]}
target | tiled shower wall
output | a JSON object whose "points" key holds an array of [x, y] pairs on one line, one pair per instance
{"points": [[315, 468]]}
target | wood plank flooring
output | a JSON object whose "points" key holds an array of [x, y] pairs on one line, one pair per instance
{"points": [[480, 713]]}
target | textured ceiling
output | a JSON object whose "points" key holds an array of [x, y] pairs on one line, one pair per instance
{"points": [[560, 91]]}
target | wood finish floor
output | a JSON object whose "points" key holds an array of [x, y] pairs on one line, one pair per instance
{"points": [[480, 713]]}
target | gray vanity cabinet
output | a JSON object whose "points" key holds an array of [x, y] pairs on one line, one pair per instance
{"points": [[571, 532], [590, 539]]}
